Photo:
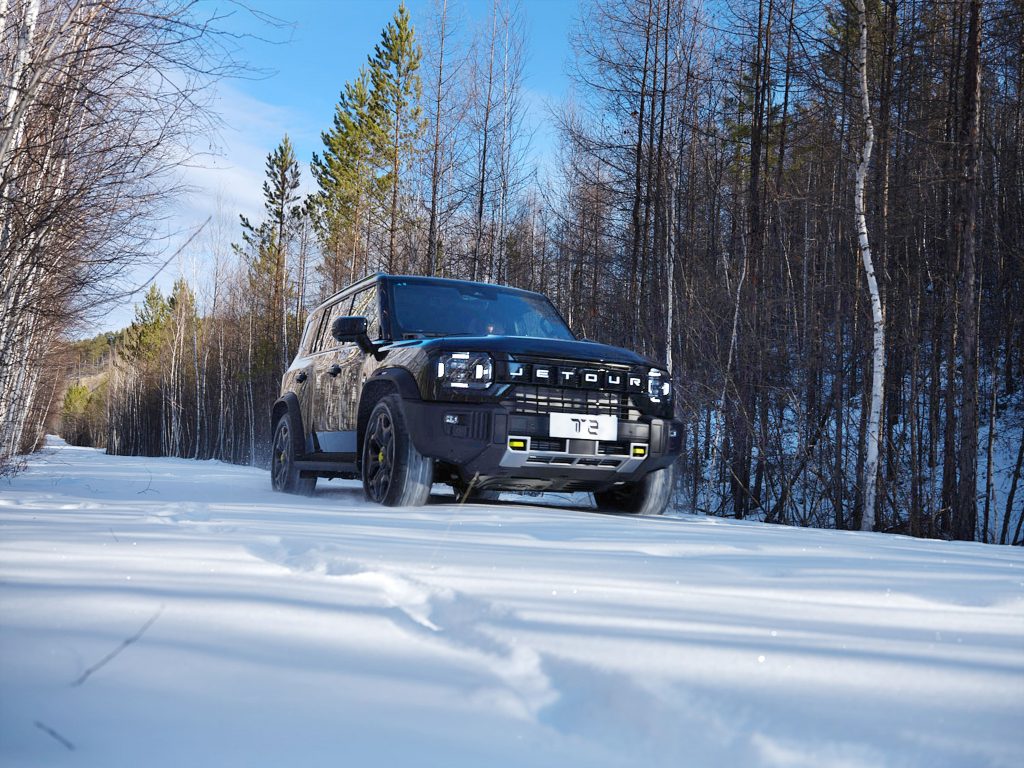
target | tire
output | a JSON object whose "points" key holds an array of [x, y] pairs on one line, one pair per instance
{"points": [[395, 474], [649, 496], [284, 475]]}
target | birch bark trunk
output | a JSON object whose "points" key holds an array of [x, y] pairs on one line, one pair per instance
{"points": [[877, 314]]}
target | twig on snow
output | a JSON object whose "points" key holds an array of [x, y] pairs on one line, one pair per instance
{"points": [[50, 732], [149, 486], [113, 654]]}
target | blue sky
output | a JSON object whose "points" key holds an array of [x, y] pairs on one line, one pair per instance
{"points": [[329, 41], [302, 68], [325, 43]]}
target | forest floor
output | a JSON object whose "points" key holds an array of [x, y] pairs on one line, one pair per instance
{"points": [[165, 612]]}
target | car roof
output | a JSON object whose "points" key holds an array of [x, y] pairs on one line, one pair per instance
{"points": [[453, 281]]}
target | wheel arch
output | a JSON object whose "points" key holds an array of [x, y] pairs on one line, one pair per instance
{"points": [[289, 404], [385, 381]]}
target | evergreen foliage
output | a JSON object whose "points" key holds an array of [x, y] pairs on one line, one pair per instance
{"points": [[265, 250], [347, 183], [396, 94], [378, 124]]}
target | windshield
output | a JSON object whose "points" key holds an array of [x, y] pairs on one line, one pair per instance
{"points": [[425, 309]]}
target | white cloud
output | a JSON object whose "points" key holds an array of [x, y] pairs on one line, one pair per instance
{"points": [[235, 170], [222, 183]]}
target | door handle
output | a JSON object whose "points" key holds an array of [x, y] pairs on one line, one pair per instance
{"points": [[301, 377], [334, 370]]}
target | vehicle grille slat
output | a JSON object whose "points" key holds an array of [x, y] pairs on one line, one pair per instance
{"points": [[537, 400]]}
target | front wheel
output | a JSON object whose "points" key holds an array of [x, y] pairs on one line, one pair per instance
{"points": [[284, 475], [648, 496], [395, 474]]}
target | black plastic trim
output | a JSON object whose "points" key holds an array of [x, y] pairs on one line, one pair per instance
{"points": [[290, 403]]}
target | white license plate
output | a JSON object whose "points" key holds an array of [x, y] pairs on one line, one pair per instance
{"points": [[582, 427]]}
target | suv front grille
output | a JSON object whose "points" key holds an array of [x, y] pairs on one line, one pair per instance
{"points": [[537, 401]]}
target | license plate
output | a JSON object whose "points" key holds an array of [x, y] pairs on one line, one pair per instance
{"points": [[582, 427]]}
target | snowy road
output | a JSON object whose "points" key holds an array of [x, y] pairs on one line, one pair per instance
{"points": [[295, 632]]}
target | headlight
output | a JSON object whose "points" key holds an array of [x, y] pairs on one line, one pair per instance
{"points": [[659, 387], [465, 370]]}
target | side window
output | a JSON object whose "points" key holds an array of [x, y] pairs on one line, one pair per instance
{"points": [[310, 334], [366, 305], [335, 310], [323, 338]]}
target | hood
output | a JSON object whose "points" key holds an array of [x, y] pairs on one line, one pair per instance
{"points": [[584, 351]]}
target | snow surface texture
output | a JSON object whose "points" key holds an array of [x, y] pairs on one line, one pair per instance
{"points": [[165, 612]]}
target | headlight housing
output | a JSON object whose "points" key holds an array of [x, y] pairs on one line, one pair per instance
{"points": [[659, 386], [465, 370]]}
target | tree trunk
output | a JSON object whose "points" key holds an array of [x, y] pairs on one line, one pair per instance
{"points": [[966, 517], [435, 169], [877, 317]]}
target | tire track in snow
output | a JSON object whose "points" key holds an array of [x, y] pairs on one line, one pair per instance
{"points": [[436, 614], [570, 698]]}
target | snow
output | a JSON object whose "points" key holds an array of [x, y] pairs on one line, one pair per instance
{"points": [[291, 631]]}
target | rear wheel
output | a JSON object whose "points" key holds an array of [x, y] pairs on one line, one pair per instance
{"points": [[648, 496], [395, 474], [284, 475]]}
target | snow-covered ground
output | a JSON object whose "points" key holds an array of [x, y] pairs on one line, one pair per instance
{"points": [[169, 612]]}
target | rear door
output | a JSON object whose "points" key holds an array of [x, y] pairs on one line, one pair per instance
{"points": [[328, 358], [302, 371]]}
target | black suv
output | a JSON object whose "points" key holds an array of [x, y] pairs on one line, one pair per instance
{"points": [[407, 381]]}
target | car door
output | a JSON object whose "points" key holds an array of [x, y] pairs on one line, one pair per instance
{"points": [[340, 372], [365, 303], [302, 371], [329, 360]]}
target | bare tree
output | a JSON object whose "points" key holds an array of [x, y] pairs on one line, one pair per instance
{"points": [[100, 101], [966, 520]]}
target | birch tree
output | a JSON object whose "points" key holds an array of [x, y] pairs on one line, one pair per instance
{"points": [[877, 316], [101, 101]]}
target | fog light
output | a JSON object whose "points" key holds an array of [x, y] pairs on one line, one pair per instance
{"points": [[639, 451], [517, 444]]}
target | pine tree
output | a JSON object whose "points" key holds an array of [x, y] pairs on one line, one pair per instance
{"points": [[268, 247], [347, 184], [396, 96], [146, 335]]}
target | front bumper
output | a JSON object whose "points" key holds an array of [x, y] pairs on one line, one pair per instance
{"points": [[475, 441]]}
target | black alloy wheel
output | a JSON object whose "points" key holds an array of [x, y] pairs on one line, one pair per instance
{"points": [[395, 474], [379, 455], [284, 474]]}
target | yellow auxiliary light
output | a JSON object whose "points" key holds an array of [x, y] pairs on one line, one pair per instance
{"points": [[639, 450], [516, 444]]}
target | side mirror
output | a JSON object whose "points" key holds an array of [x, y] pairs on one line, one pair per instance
{"points": [[352, 329]]}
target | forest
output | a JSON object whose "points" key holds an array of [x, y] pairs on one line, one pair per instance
{"points": [[812, 211]]}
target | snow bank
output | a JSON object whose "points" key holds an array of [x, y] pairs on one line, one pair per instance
{"points": [[288, 631]]}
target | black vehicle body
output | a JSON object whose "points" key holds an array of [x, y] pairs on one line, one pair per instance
{"points": [[495, 436]]}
